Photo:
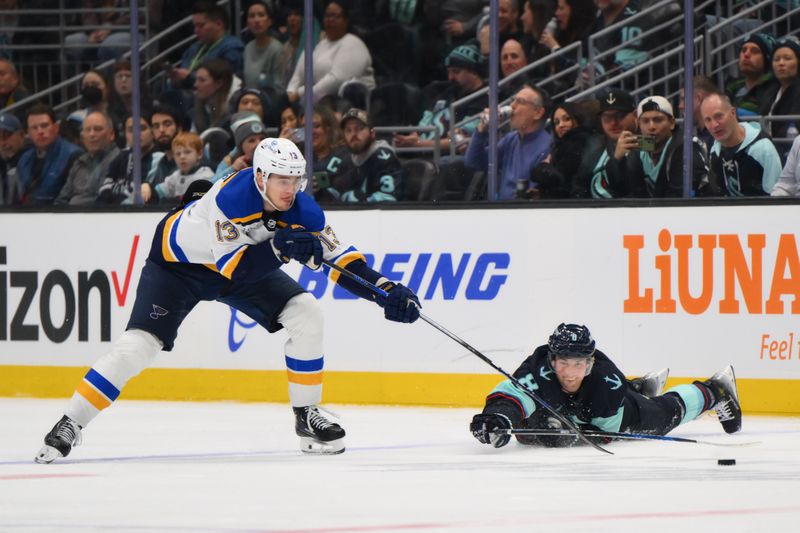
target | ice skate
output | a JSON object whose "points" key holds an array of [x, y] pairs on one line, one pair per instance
{"points": [[652, 383], [59, 442], [317, 434], [729, 411]]}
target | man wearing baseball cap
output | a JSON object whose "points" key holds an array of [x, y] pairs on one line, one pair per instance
{"points": [[617, 112], [372, 172], [12, 145], [652, 165]]}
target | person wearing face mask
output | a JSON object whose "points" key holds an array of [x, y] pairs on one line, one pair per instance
{"points": [[94, 97]]}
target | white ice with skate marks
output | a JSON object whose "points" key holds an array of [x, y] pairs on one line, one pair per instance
{"points": [[227, 467]]}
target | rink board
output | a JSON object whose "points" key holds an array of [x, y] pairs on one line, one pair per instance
{"points": [[692, 288]]}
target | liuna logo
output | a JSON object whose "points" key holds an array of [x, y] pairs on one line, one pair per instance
{"points": [[761, 272], [84, 298]]}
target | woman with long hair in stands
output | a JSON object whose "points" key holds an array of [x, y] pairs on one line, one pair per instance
{"points": [[555, 176], [574, 22], [211, 88]]}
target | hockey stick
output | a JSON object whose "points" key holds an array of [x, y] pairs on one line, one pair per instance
{"points": [[617, 435], [535, 397]]}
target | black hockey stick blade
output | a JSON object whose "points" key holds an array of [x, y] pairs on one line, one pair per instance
{"points": [[619, 435], [535, 397]]}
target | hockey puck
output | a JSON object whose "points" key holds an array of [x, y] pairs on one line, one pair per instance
{"points": [[726, 462]]}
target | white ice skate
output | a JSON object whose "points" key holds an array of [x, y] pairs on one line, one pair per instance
{"points": [[652, 383], [729, 411]]}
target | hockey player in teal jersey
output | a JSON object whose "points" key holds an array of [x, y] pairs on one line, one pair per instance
{"points": [[229, 246], [583, 384]]}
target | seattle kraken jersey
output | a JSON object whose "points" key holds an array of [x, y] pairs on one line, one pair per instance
{"points": [[228, 231], [750, 169], [598, 401], [634, 51]]}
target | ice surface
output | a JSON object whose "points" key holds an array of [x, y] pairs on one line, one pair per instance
{"points": [[228, 467]]}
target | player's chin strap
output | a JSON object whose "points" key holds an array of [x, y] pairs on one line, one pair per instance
{"points": [[535, 397], [265, 196]]}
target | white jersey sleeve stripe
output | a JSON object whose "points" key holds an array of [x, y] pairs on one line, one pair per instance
{"points": [[167, 238]]}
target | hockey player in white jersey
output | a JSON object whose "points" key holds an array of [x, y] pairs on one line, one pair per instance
{"points": [[229, 246]]}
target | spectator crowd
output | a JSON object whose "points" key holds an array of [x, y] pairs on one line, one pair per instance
{"points": [[403, 63]]}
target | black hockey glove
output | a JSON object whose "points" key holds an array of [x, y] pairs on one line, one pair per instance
{"points": [[400, 305], [298, 244], [557, 441], [483, 427]]}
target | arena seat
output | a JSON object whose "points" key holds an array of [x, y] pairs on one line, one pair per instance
{"points": [[420, 177], [395, 104]]}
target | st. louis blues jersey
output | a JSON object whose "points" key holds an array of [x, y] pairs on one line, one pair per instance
{"points": [[228, 231]]}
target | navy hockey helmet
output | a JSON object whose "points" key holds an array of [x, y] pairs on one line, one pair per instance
{"points": [[571, 341]]}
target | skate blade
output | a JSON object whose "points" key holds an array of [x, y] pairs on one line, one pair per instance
{"points": [[47, 454], [318, 447]]}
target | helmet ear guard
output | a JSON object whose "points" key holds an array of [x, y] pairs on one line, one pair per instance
{"points": [[571, 341]]}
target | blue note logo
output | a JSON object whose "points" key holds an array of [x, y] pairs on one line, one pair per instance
{"points": [[158, 311]]}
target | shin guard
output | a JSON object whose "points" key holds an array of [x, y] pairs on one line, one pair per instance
{"points": [[302, 318], [133, 352]]}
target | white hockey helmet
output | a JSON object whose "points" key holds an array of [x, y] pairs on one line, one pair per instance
{"points": [[279, 156]]}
